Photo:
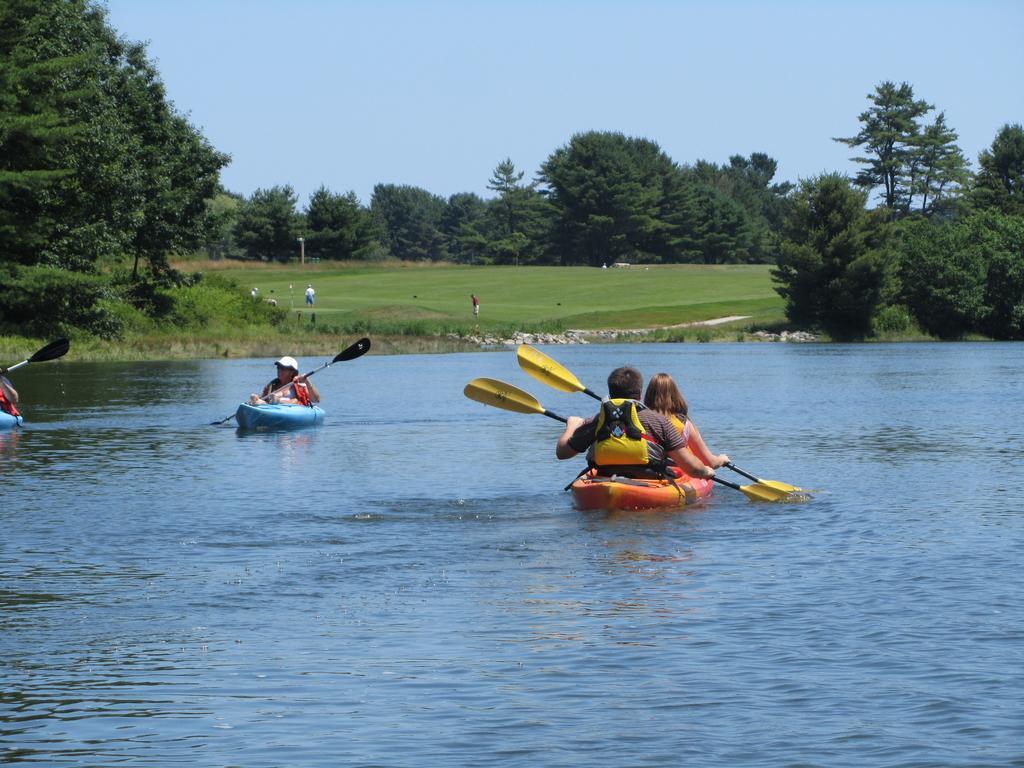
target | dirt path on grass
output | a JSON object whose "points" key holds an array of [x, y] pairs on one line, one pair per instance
{"points": [[715, 321]]}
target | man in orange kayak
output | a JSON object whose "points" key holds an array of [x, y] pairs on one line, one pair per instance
{"points": [[627, 438], [295, 389]]}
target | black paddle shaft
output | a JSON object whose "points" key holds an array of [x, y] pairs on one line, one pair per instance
{"points": [[736, 469]]}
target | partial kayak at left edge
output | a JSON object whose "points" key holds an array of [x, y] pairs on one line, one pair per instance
{"points": [[278, 416]]}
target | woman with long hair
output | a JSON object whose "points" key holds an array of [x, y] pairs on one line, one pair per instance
{"points": [[663, 395]]}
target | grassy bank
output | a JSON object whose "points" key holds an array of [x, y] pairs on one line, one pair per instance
{"points": [[557, 297], [426, 308]]}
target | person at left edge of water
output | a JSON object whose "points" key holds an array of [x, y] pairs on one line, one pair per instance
{"points": [[8, 395]]}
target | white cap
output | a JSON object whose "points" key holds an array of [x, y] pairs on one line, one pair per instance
{"points": [[288, 362]]}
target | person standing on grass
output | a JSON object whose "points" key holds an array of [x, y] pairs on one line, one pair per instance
{"points": [[476, 304], [310, 295]]}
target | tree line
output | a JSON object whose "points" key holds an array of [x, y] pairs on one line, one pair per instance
{"points": [[102, 181], [603, 198], [944, 249]]}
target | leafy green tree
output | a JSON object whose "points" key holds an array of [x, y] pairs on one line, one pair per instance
{"points": [[463, 225], [754, 188], [938, 169], [268, 225], [685, 224], [999, 182], [94, 162], [942, 277], [338, 226], [834, 267], [177, 167], [964, 275], [518, 217], [607, 192], [410, 221], [746, 233], [889, 132], [505, 181], [222, 212], [72, 301], [47, 64], [725, 231], [1001, 237]]}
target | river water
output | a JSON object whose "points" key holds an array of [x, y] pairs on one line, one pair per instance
{"points": [[407, 585]]}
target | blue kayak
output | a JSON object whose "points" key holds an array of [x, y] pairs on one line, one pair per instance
{"points": [[277, 416], [7, 421]]}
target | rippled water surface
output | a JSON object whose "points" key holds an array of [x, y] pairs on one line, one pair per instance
{"points": [[407, 585]]}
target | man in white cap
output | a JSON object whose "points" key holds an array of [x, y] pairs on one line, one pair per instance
{"points": [[288, 388]]}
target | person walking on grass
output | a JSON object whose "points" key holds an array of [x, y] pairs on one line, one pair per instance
{"points": [[476, 304], [310, 295]]}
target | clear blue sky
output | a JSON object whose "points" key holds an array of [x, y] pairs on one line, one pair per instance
{"points": [[348, 93]]}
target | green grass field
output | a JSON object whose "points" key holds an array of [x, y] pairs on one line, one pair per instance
{"points": [[568, 297], [426, 308]]}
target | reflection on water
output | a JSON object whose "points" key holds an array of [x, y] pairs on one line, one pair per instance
{"points": [[9, 447], [408, 585]]}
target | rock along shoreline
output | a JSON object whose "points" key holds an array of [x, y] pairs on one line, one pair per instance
{"points": [[577, 336]]}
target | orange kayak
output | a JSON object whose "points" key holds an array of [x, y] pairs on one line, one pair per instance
{"points": [[594, 492]]}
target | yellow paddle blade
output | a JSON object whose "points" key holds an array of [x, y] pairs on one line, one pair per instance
{"points": [[780, 486], [762, 492], [544, 369], [502, 395]]}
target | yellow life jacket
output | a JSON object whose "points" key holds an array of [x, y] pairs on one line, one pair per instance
{"points": [[620, 440], [683, 425]]}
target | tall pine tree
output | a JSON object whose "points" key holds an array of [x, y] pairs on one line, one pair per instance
{"points": [[889, 131]]}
